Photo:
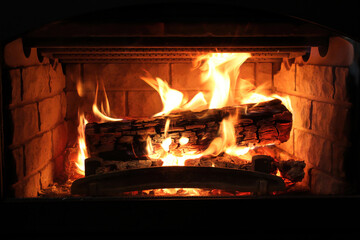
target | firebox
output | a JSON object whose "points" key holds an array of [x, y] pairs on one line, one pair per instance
{"points": [[177, 106]]}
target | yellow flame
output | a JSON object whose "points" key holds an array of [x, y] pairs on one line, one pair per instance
{"points": [[197, 103], [104, 113], [183, 140], [171, 98], [220, 72], [82, 150], [226, 142]]}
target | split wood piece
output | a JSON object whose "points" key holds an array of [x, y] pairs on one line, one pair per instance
{"points": [[95, 165], [257, 125], [115, 183], [292, 170], [221, 161]]}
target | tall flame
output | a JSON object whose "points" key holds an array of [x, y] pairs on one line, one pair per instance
{"points": [[226, 142], [103, 114], [220, 72], [171, 98], [82, 151]]}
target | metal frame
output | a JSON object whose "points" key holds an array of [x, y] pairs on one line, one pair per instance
{"points": [[111, 184]]}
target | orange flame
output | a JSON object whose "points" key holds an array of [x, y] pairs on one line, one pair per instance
{"points": [[103, 114], [227, 140], [171, 98], [220, 71], [82, 150]]}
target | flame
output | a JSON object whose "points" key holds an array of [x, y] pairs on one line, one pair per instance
{"points": [[82, 150], [183, 140], [226, 142], [220, 72], [171, 98], [103, 115]]}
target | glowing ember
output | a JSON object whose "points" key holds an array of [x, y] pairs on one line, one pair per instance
{"points": [[187, 192], [220, 72]]}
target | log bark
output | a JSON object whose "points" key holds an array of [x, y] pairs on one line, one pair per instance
{"points": [[257, 125]]}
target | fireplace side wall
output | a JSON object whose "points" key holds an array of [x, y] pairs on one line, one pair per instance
{"points": [[320, 134], [37, 132]]}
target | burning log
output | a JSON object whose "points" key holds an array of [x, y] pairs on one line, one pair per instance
{"points": [[289, 169], [95, 165], [256, 125]]}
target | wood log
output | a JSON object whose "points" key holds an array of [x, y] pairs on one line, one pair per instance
{"points": [[257, 125], [291, 169], [95, 165]]}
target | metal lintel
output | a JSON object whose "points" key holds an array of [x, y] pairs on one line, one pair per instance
{"points": [[153, 60], [123, 50], [156, 42], [94, 56]]}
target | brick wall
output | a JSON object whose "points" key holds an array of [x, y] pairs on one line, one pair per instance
{"points": [[128, 94], [321, 119], [37, 131]]}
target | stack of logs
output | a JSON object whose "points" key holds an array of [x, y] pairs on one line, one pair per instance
{"points": [[256, 125], [123, 145]]}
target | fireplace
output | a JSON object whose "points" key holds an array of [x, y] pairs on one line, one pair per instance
{"points": [[45, 104], [311, 66]]}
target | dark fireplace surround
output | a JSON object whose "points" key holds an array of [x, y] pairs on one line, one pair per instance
{"points": [[40, 70]]}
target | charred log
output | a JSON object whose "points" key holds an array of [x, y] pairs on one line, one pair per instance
{"points": [[257, 125]]}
